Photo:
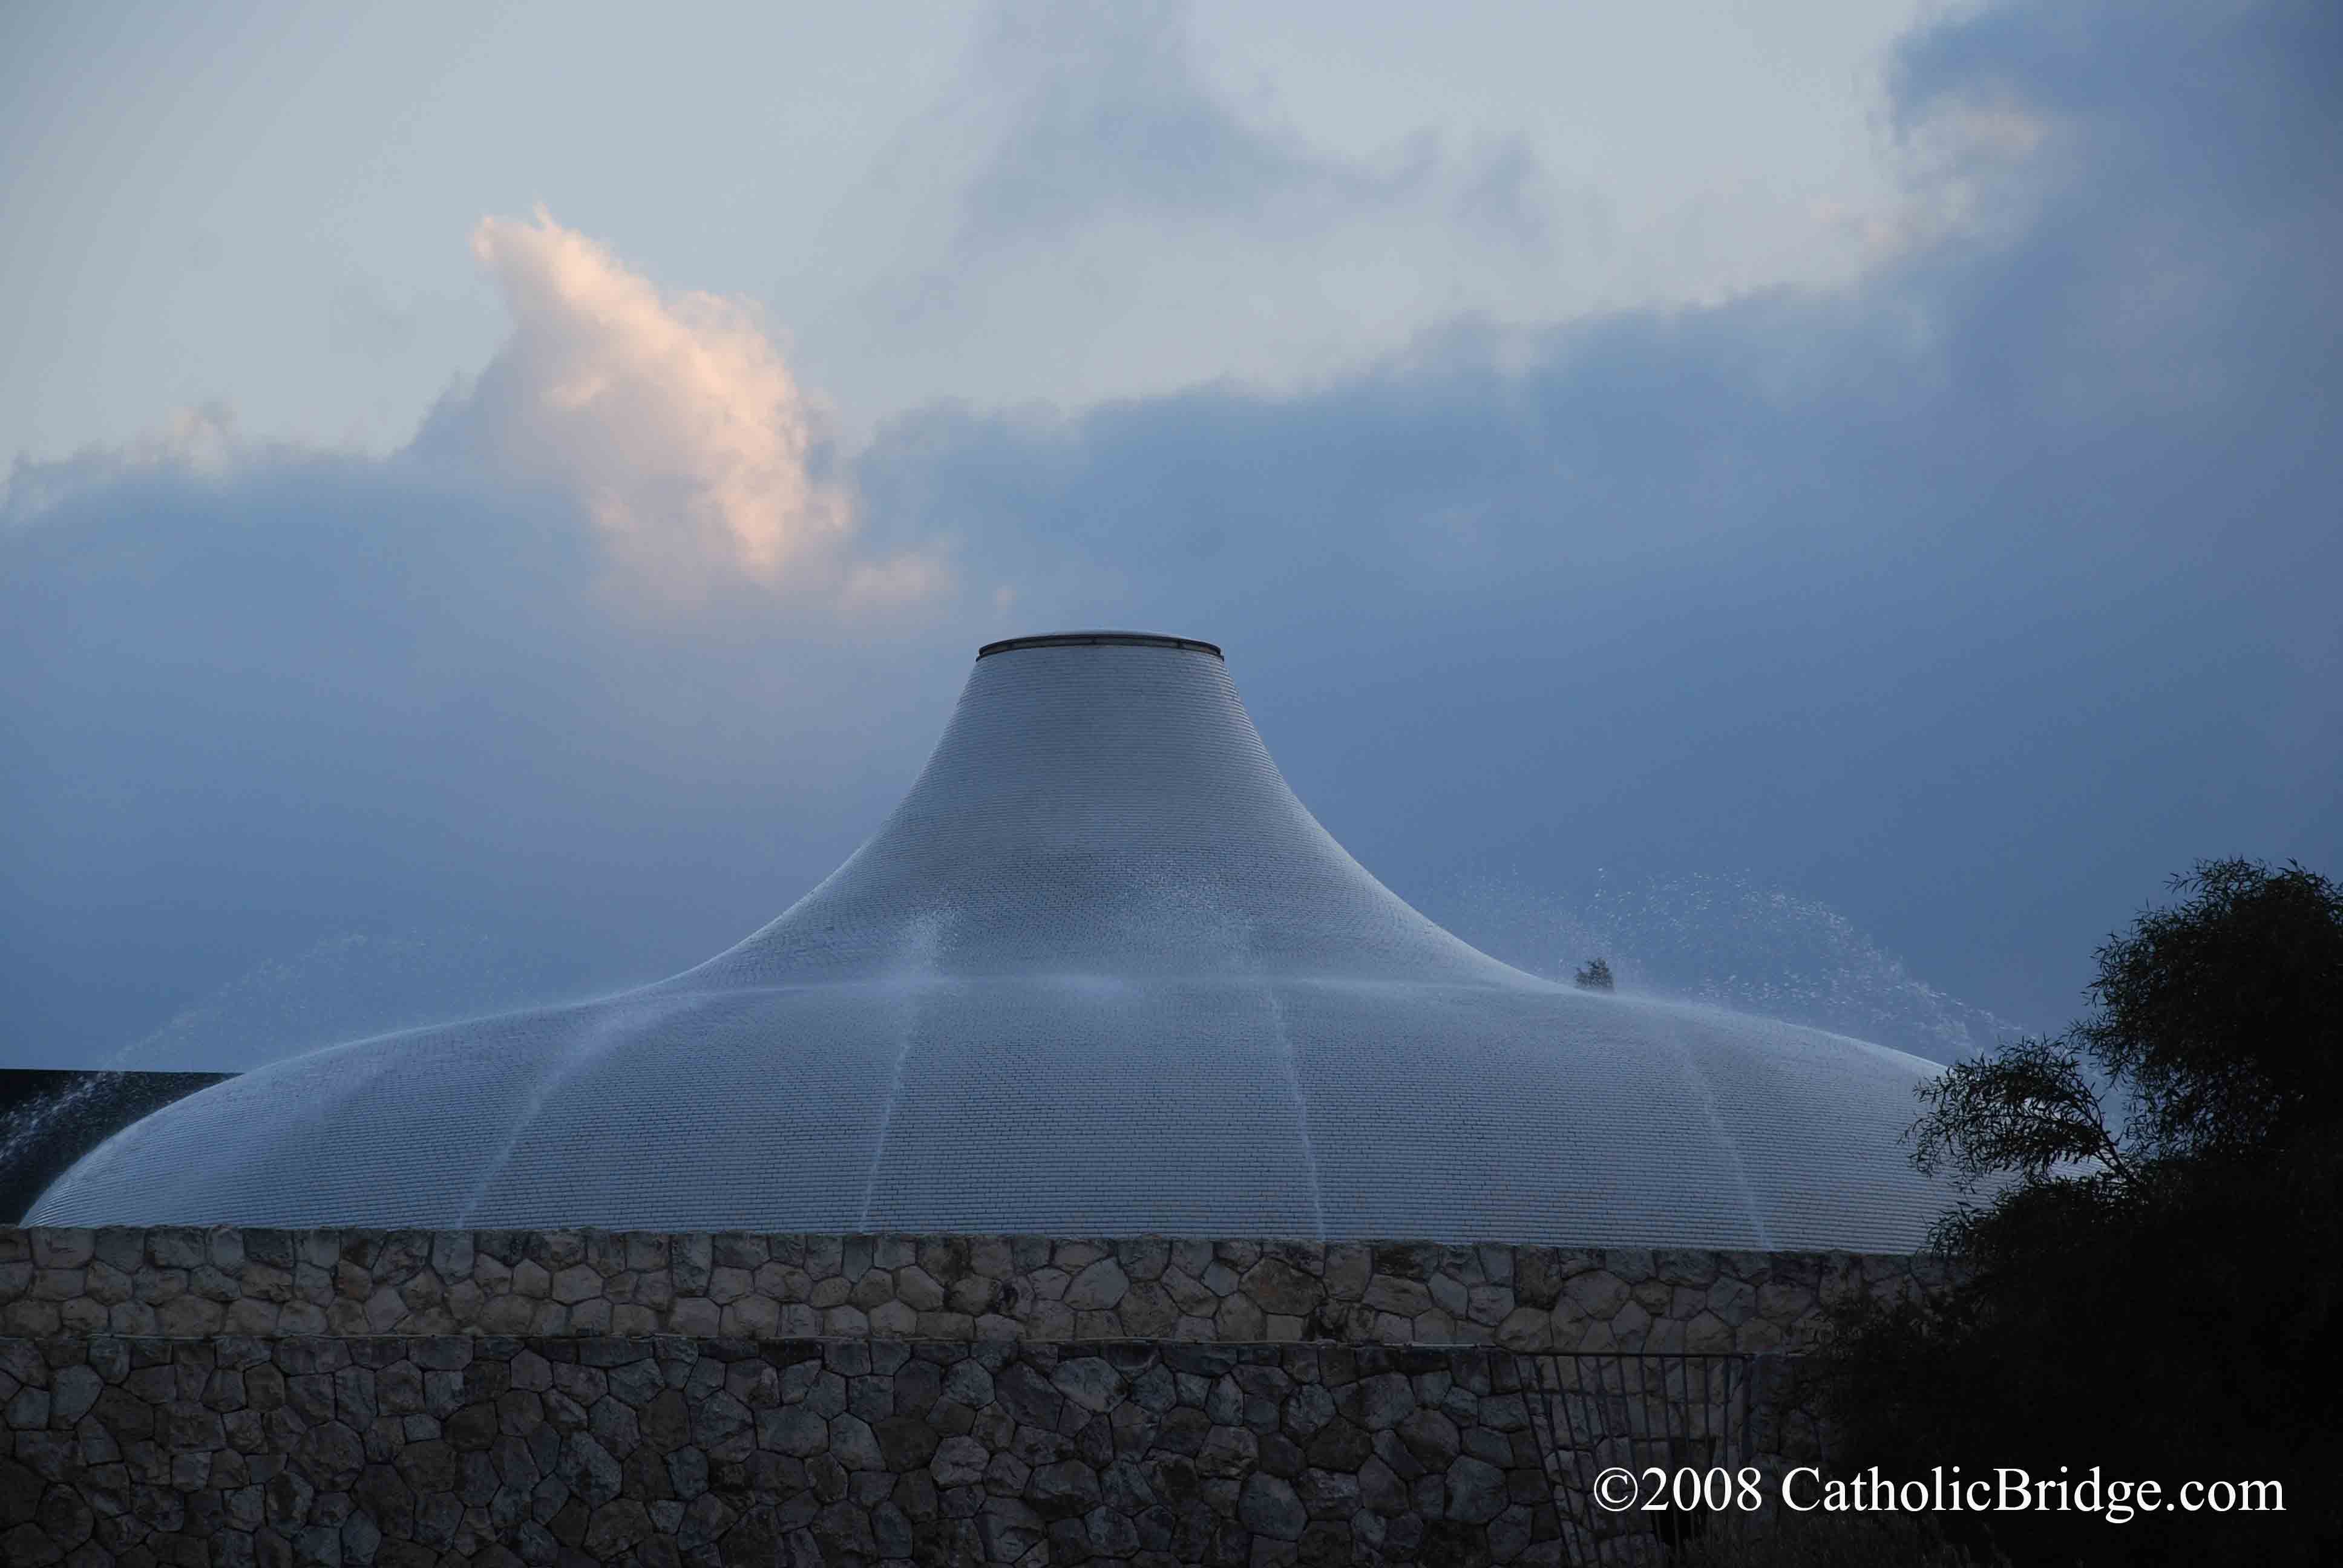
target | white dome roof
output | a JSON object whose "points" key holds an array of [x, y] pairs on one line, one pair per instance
{"points": [[1100, 974]]}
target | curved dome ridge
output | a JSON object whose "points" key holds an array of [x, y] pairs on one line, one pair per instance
{"points": [[1704, 1099], [1099, 973]]}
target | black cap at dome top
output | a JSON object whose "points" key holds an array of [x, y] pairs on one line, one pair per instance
{"points": [[1097, 639]]}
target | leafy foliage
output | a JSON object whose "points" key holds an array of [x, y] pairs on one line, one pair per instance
{"points": [[2221, 1013], [2161, 1297]]}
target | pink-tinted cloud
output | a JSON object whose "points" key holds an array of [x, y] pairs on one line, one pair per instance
{"points": [[672, 420]]}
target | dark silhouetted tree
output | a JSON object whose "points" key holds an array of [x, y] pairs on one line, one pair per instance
{"points": [[2149, 1272], [1595, 975]]}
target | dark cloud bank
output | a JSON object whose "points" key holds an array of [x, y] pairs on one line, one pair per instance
{"points": [[1965, 604]]}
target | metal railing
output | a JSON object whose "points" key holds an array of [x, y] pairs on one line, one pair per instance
{"points": [[1655, 1415]]}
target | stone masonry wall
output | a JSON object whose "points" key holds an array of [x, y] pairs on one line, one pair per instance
{"points": [[184, 1282], [484, 1449]]}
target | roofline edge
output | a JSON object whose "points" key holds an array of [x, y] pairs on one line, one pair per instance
{"points": [[1099, 639]]}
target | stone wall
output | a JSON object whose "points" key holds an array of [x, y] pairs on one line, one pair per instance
{"points": [[180, 1283], [442, 1448]]}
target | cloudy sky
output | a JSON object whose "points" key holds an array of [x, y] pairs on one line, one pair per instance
{"points": [[1817, 498]]}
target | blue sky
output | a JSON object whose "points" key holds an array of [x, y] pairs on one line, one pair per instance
{"points": [[519, 487], [266, 204]]}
